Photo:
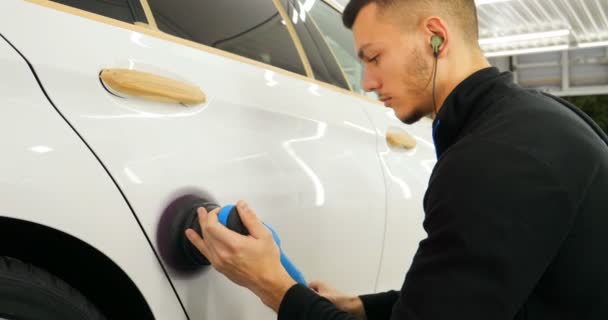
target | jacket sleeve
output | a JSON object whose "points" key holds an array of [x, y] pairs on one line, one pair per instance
{"points": [[378, 306], [301, 303], [495, 218]]}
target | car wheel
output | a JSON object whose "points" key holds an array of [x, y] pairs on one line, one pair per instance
{"points": [[30, 293]]}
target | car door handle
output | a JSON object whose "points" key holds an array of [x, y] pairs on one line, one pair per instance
{"points": [[151, 86], [400, 139]]}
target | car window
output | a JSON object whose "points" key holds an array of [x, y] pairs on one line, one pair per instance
{"points": [[253, 29], [340, 40], [324, 65], [125, 10]]}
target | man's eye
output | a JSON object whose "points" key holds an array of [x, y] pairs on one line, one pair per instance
{"points": [[374, 59]]}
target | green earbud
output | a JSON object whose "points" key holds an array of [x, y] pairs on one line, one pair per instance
{"points": [[436, 42]]}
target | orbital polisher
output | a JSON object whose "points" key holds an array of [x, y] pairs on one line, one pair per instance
{"points": [[180, 254]]}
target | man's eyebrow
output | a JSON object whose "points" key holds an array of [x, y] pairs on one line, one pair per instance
{"points": [[361, 53]]}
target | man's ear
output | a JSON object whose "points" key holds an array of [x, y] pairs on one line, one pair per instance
{"points": [[437, 30]]}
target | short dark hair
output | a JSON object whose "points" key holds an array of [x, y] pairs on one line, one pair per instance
{"points": [[464, 11], [350, 13]]}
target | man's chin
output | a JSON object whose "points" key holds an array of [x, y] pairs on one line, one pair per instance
{"points": [[412, 117]]}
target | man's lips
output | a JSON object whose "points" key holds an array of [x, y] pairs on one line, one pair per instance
{"points": [[386, 100]]}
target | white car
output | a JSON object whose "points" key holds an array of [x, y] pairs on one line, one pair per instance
{"points": [[109, 109]]}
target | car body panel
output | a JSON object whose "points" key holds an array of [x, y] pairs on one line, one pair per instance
{"points": [[406, 172], [301, 154], [311, 159], [48, 176]]}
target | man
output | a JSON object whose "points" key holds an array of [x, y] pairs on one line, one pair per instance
{"points": [[516, 208]]}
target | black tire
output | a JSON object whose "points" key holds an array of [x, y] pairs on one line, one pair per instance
{"points": [[30, 293]]}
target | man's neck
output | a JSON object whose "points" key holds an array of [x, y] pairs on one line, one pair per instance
{"points": [[458, 72]]}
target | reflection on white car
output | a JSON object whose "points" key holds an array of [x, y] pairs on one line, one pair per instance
{"points": [[110, 109]]}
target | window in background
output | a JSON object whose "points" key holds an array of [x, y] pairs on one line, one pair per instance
{"points": [[124, 10], [322, 60], [252, 29], [340, 40]]}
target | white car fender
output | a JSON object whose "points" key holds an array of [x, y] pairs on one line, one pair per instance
{"points": [[48, 176]]}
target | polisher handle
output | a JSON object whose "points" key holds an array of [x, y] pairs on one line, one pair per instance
{"points": [[229, 217], [293, 271]]}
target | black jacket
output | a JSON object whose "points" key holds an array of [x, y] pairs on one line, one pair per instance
{"points": [[516, 214]]}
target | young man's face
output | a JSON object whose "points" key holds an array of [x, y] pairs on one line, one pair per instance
{"points": [[396, 64]]}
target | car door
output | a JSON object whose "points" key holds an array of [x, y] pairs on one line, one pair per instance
{"points": [[406, 152], [301, 152]]}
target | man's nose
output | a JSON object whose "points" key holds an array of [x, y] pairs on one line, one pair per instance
{"points": [[370, 81]]}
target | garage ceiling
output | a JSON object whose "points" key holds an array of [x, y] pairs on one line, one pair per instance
{"points": [[511, 27]]}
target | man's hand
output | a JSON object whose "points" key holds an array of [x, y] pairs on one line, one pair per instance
{"points": [[350, 304], [250, 261]]}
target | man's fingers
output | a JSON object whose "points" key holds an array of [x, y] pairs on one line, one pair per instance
{"points": [[318, 286], [202, 217], [208, 220], [221, 236], [314, 285], [197, 241], [205, 217], [255, 227]]}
